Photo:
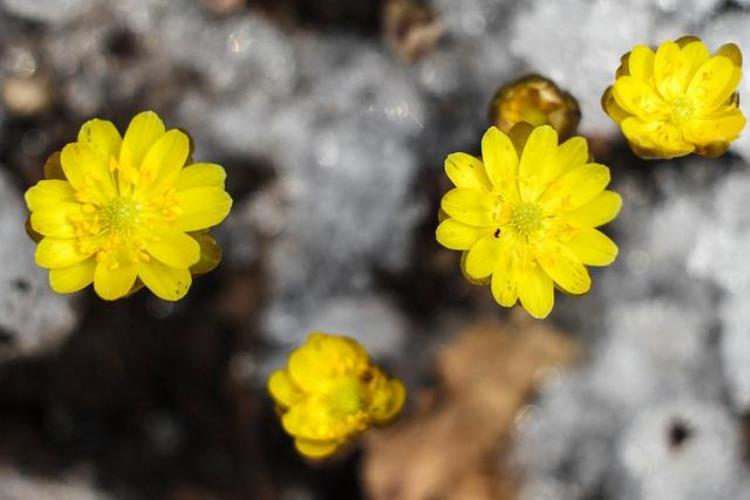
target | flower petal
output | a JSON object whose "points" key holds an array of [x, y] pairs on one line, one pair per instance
{"points": [[54, 253], [577, 187], [500, 160], [397, 399], [167, 283], [714, 82], [732, 52], [202, 208], [144, 130], [504, 277], [54, 220], [593, 247], [53, 168], [458, 236], [173, 247], [315, 449], [282, 389], [639, 99], [102, 137], [481, 259], [671, 71], [49, 192], [164, 160], [536, 291], [113, 277], [539, 165], [655, 139], [201, 175], [599, 211], [641, 63], [725, 127], [572, 153], [469, 206], [88, 172], [565, 269], [695, 54], [210, 254], [72, 278]]}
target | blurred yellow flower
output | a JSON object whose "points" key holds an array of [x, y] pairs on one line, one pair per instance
{"points": [[537, 101], [525, 216], [331, 392], [126, 212], [679, 100]]}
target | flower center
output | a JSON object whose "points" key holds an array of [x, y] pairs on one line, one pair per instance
{"points": [[682, 110], [121, 214], [526, 219]]}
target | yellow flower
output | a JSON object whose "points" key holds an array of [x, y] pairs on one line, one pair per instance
{"points": [[679, 100], [537, 101], [331, 392], [525, 214], [126, 212]]}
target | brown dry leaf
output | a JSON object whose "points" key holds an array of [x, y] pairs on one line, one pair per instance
{"points": [[452, 448]]}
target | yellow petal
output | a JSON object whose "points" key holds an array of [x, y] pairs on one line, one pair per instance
{"points": [[54, 253], [164, 160], [599, 211], [113, 278], [714, 82], [695, 54], [639, 99], [167, 283], [210, 254], [469, 206], [732, 52], [458, 236], [173, 247], [500, 160], [73, 278], [722, 128], [202, 208], [315, 449], [144, 130], [88, 172], [466, 171], [536, 292], [610, 106], [671, 71], [201, 175], [641, 63], [577, 187], [282, 389], [572, 153], [593, 248], [397, 399], [504, 278], [53, 169], [655, 139], [565, 269], [102, 137], [538, 166], [49, 192], [54, 220], [481, 259]]}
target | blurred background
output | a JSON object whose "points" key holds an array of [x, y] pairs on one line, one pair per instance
{"points": [[332, 118]]}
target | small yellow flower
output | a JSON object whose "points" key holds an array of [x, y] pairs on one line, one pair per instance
{"points": [[525, 214], [331, 392], [126, 212], [679, 100], [537, 101]]}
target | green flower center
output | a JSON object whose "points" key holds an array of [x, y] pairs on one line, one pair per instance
{"points": [[526, 219], [121, 214]]}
